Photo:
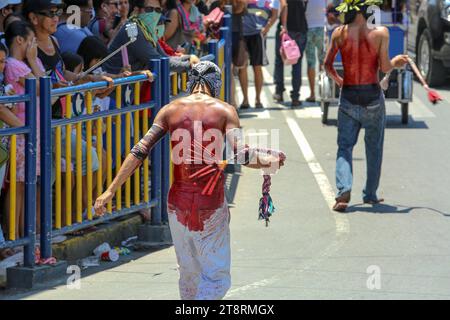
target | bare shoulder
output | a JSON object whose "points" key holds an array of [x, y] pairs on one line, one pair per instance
{"points": [[338, 34], [338, 31], [380, 31], [227, 108], [172, 106]]}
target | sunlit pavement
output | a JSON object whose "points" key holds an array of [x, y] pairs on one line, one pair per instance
{"points": [[397, 250]]}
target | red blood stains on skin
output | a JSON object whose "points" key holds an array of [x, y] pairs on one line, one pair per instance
{"points": [[193, 209], [360, 60], [197, 118]]}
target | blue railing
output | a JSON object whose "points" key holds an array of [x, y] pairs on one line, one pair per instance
{"points": [[147, 189], [29, 130]]}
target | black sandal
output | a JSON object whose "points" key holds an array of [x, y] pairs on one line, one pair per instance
{"points": [[372, 202]]}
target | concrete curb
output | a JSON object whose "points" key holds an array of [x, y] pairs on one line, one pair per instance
{"points": [[28, 278], [79, 247]]}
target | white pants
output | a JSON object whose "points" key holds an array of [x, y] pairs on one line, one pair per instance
{"points": [[203, 256]]}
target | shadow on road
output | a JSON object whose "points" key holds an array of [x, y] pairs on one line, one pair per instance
{"points": [[383, 208], [136, 254], [394, 122]]}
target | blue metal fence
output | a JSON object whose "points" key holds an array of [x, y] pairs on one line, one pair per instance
{"points": [[51, 198], [29, 130]]}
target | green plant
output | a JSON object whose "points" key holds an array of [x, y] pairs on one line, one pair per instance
{"points": [[355, 5]]}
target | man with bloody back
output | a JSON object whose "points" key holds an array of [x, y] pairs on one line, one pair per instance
{"points": [[365, 51], [198, 211]]}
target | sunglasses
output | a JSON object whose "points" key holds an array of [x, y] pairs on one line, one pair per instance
{"points": [[152, 9], [51, 14]]}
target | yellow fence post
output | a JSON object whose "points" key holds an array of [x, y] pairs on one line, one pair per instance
{"points": [[58, 182], [146, 162], [137, 101], [89, 155], [99, 185], [12, 191], [79, 174], [109, 157], [183, 81], [68, 162], [118, 144], [127, 148]]}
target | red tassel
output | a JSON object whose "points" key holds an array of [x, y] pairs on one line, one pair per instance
{"points": [[434, 97]]}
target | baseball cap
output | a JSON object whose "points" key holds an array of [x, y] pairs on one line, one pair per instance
{"points": [[40, 5], [4, 3]]}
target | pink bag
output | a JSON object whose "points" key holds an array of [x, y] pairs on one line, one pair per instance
{"points": [[215, 17], [289, 50]]}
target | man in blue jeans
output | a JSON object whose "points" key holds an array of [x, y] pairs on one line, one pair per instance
{"points": [[365, 51], [292, 21]]}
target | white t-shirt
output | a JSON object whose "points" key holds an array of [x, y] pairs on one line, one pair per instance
{"points": [[315, 13]]}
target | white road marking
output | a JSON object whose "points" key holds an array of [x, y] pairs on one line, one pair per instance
{"points": [[309, 113], [342, 224]]}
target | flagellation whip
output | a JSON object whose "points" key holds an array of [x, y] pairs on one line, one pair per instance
{"points": [[433, 96], [215, 169], [266, 206]]}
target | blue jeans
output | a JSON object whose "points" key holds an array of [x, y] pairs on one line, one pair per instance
{"points": [[2, 238], [300, 39], [351, 119]]}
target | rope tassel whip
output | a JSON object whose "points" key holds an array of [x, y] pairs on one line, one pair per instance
{"points": [[266, 206], [433, 96]]}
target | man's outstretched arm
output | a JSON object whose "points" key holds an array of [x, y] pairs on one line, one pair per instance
{"points": [[137, 155], [251, 157]]}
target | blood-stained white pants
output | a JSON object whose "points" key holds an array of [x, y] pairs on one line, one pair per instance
{"points": [[203, 256]]}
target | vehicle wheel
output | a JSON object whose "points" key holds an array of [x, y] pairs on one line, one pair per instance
{"points": [[432, 69], [325, 106], [405, 115]]}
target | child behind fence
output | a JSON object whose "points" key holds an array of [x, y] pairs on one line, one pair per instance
{"points": [[7, 119], [22, 64]]}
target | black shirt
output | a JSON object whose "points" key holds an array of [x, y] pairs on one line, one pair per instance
{"points": [[296, 19], [54, 67]]}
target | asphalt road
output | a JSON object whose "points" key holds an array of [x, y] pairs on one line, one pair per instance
{"points": [[396, 250]]}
